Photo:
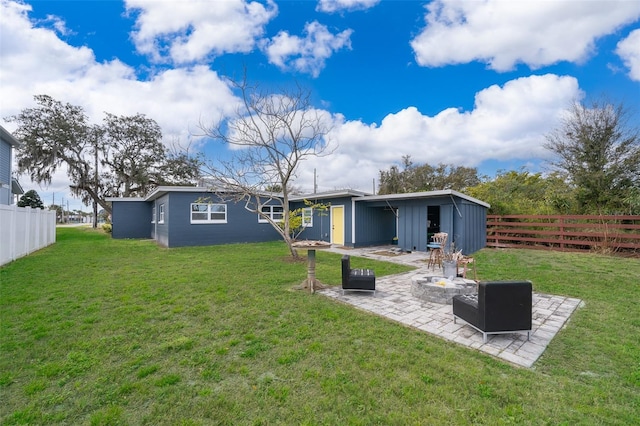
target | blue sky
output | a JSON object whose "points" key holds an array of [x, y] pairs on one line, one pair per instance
{"points": [[473, 83]]}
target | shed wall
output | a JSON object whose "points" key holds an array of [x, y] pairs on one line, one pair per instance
{"points": [[375, 225]]}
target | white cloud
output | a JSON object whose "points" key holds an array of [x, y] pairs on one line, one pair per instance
{"points": [[308, 54], [629, 50], [504, 33], [198, 29], [35, 61], [507, 122], [331, 6]]}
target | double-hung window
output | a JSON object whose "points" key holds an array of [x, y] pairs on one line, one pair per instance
{"points": [[276, 213], [161, 213], [153, 214], [307, 217], [208, 213]]}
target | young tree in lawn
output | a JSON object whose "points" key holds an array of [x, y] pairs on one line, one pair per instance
{"points": [[269, 135], [600, 152], [31, 199]]}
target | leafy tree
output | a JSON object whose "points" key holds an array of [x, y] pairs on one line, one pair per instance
{"points": [[31, 199], [426, 177], [600, 153], [136, 161], [521, 192], [122, 157], [269, 134]]}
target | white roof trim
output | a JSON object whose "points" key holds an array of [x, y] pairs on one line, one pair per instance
{"points": [[110, 199], [8, 137], [425, 194], [330, 194]]}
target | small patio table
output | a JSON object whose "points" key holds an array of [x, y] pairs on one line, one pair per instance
{"points": [[311, 247]]}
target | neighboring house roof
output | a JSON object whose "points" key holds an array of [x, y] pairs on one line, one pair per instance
{"points": [[16, 188], [425, 194], [6, 136]]}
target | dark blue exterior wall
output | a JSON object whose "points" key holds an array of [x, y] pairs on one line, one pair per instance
{"points": [[242, 226], [131, 219], [161, 229], [321, 229], [375, 222]]}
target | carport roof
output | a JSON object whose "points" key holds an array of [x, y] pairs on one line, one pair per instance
{"points": [[418, 195]]}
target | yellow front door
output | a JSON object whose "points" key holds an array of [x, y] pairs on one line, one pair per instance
{"points": [[337, 225]]}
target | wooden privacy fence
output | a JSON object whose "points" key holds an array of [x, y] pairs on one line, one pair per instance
{"points": [[565, 233]]}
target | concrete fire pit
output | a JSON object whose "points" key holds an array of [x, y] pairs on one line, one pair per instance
{"points": [[439, 289]]}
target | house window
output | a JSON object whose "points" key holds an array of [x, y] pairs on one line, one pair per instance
{"points": [[161, 213], [208, 213], [153, 214], [276, 213], [307, 217]]}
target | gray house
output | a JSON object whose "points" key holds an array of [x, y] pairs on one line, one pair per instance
{"points": [[8, 185], [188, 216]]}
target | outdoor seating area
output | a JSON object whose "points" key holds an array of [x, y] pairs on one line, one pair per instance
{"points": [[395, 299], [499, 307], [357, 279]]}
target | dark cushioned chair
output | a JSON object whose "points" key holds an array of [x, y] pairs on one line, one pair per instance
{"points": [[357, 279], [499, 307]]}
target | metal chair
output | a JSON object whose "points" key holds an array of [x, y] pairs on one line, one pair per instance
{"points": [[436, 249]]}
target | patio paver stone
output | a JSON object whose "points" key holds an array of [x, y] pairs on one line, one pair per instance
{"points": [[393, 300]]}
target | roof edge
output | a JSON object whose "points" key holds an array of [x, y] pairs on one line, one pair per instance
{"points": [[424, 194], [7, 136]]}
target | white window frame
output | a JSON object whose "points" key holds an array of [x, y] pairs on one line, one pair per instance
{"points": [[153, 214], [307, 217], [273, 215], [161, 213], [210, 210]]}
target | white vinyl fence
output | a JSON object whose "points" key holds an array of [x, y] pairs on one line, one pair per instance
{"points": [[24, 230]]}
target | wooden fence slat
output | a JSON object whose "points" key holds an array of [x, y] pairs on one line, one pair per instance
{"points": [[571, 232]]}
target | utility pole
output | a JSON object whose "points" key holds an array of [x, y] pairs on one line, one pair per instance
{"points": [[95, 203], [315, 183]]}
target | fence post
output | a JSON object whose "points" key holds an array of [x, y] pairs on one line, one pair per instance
{"points": [[13, 230], [561, 229]]}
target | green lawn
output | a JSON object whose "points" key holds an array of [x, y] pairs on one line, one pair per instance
{"points": [[102, 332]]}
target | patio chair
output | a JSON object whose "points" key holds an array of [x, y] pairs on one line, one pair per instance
{"points": [[500, 307], [357, 279], [436, 247]]}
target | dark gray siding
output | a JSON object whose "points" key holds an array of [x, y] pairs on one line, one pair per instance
{"points": [[375, 224], [470, 226], [463, 220], [131, 219], [242, 226]]}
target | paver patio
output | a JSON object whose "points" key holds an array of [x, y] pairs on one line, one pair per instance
{"points": [[393, 300]]}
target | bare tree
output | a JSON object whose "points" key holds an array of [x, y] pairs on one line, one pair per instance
{"points": [[269, 135]]}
